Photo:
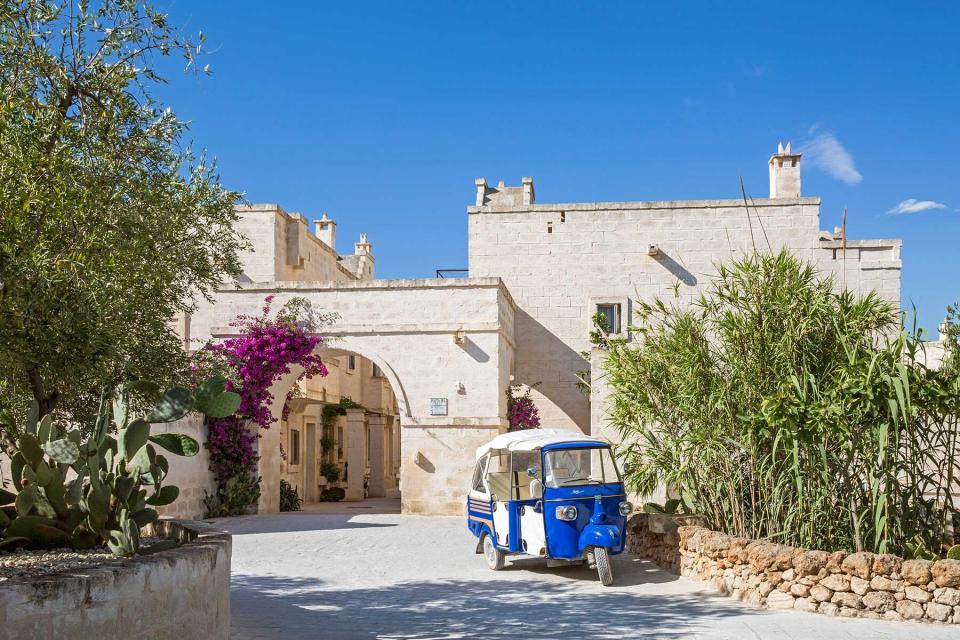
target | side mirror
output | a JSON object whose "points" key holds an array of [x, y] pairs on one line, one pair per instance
{"points": [[536, 489], [533, 472]]}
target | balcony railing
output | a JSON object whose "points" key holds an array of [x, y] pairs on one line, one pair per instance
{"points": [[453, 273]]}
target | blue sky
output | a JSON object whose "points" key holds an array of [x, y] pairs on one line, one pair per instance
{"points": [[383, 115]]}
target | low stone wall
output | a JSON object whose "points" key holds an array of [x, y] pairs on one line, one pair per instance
{"points": [[181, 594], [782, 577]]}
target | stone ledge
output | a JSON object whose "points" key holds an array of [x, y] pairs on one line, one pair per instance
{"points": [[777, 576], [183, 593], [643, 205]]}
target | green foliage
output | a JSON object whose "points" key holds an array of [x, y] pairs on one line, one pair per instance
{"points": [[290, 500], [670, 507], [781, 407], [330, 471], [236, 497], [333, 494], [109, 226], [953, 553], [81, 491]]}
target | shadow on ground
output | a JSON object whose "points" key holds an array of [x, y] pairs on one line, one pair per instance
{"points": [[294, 521], [303, 608], [628, 571]]}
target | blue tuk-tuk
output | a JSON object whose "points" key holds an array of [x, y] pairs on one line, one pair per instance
{"points": [[551, 494]]}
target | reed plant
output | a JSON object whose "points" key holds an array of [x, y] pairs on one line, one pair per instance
{"points": [[783, 406]]}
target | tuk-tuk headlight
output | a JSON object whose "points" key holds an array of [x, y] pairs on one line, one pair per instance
{"points": [[625, 508], [567, 513]]}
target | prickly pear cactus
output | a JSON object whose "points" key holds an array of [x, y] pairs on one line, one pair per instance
{"points": [[116, 481]]}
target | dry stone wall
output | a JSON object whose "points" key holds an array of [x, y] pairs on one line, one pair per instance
{"points": [[777, 576]]}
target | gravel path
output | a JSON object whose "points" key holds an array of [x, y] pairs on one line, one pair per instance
{"points": [[347, 572]]}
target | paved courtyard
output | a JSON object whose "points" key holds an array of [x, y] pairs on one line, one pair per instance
{"points": [[365, 571]]}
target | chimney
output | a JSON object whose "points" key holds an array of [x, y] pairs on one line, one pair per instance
{"points": [[326, 231], [362, 248], [784, 173], [528, 193], [481, 190]]}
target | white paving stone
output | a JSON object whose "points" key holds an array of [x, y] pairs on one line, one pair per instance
{"points": [[352, 572]]}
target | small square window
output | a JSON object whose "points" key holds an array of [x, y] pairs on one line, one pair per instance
{"points": [[610, 317], [377, 373], [294, 446], [351, 363]]}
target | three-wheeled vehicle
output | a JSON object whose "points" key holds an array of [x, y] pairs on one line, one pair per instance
{"points": [[548, 494]]}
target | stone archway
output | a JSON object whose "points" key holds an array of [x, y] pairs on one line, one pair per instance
{"points": [[445, 346]]}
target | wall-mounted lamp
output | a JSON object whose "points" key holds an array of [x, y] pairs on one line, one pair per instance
{"points": [[459, 387], [459, 337], [652, 249]]}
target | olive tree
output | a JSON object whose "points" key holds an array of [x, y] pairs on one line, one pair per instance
{"points": [[111, 225]]}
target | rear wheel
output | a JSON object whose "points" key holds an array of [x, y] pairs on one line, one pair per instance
{"points": [[601, 556], [494, 557]]}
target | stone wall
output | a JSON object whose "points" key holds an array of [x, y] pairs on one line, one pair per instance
{"points": [[190, 474], [865, 585], [181, 594]]}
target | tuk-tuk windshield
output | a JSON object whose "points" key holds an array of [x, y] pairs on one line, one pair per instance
{"points": [[573, 467]]}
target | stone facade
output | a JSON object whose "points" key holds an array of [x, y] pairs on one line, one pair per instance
{"points": [[560, 261], [538, 274], [864, 585]]}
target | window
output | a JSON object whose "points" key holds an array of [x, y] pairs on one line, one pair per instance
{"points": [[294, 446], [610, 319], [351, 363], [339, 443], [577, 467], [478, 472], [376, 372]]}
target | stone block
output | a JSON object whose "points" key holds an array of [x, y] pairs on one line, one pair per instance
{"points": [[938, 612], [879, 601], [821, 593], [859, 586], [916, 572], [836, 582], [917, 594], [946, 573], [780, 600], [858, 564], [910, 610], [948, 596], [883, 583], [847, 599]]}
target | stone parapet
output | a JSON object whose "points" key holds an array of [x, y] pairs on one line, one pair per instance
{"points": [[183, 593], [864, 585]]}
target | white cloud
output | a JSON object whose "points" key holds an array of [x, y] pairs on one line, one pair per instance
{"points": [[825, 152], [912, 205]]}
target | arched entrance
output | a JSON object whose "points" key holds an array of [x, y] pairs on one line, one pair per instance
{"points": [[445, 348], [340, 434]]}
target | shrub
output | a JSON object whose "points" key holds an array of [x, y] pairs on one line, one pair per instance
{"points": [[522, 413], [330, 471], [290, 499], [236, 497], [781, 407], [333, 494]]}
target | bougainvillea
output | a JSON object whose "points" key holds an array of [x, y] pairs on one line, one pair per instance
{"points": [[263, 352], [522, 412]]}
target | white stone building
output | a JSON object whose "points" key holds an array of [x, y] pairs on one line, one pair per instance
{"points": [[437, 356]]}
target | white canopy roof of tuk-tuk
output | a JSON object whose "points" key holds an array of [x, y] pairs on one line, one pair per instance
{"points": [[532, 439]]}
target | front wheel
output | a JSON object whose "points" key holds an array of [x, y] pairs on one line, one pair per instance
{"points": [[494, 557], [601, 555]]}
